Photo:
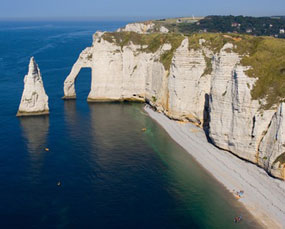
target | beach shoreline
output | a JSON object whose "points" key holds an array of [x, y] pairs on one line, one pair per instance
{"points": [[264, 196]]}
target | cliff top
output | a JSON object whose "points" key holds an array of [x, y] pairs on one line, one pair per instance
{"points": [[265, 55]]}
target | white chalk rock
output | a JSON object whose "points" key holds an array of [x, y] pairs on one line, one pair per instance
{"points": [[272, 148], [142, 28], [34, 99], [187, 89], [163, 29], [236, 121]]}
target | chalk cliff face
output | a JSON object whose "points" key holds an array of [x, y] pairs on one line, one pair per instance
{"points": [[143, 28], [34, 99], [236, 124], [271, 153], [208, 88]]}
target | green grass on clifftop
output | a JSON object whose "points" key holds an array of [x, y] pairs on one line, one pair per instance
{"points": [[264, 55], [152, 42], [267, 61], [216, 41]]}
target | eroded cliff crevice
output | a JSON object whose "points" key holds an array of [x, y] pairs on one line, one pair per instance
{"points": [[272, 146]]}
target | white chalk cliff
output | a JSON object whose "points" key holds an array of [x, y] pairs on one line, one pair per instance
{"points": [[34, 99], [143, 28], [220, 100]]}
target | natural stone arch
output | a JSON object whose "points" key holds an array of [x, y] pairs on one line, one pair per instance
{"points": [[84, 61]]}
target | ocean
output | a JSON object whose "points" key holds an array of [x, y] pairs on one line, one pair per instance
{"points": [[111, 173]]}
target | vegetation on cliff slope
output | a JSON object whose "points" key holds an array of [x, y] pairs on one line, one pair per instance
{"points": [[216, 41], [148, 42], [209, 68], [264, 55], [267, 61]]}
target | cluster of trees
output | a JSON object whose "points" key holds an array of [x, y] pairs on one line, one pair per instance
{"points": [[259, 26]]}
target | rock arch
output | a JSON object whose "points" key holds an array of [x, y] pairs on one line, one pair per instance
{"points": [[84, 61]]}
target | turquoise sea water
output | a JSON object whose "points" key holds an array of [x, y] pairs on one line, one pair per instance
{"points": [[112, 174]]}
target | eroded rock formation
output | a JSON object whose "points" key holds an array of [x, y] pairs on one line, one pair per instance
{"points": [[143, 28], [205, 86], [34, 99]]}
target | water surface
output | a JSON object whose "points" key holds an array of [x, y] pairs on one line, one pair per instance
{"points": [[112, 174]]}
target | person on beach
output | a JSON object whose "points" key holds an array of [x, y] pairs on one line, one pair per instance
{"points": [[237, 219]]}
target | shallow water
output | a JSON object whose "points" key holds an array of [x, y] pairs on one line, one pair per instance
{"points": [[112, 174]]}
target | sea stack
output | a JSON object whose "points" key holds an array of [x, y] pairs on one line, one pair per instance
{"points": [[34, 98]]}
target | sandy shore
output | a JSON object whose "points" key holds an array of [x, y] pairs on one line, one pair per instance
{"points": [[264, 196]]}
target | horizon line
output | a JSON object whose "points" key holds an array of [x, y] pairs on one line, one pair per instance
{"points": [[110, 18]]}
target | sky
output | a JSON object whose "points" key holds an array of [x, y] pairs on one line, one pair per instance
{"points": [[137, 9]]}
